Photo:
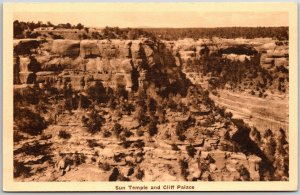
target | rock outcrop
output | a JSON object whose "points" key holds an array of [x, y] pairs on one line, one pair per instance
{"points": [[271, 51], [117, 59]]}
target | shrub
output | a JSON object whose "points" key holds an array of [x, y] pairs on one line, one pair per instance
{"points": [[152, 128], [221, 111], [93, 122], [151, 105], [139, 144], [140, 132], [117, 129], [127, 133], [127, 108], [140, 174], [270, 148], [35, 148], [79, 26], [97, 92], [27, 95], [93, 159], [106, 133], [175, 147], [93, 143], [191, 150], [126, 144], [130, 171], [161, 114], [244, 173], [121, 92], [84, 36], [167, 135], [121, 177], [17, 136], [33, 34], [114, 175], [184, 168], [63, 134], [104, 166], [79, 158], [268, 133], [182, 137], [228, 115], [21, 170], [180, 129], [256, 136], [140, 115], [282, 137], [29, 121], [119, 157]]}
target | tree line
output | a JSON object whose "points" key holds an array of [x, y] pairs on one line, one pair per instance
{"points": [[20, 27], [281, 33]]}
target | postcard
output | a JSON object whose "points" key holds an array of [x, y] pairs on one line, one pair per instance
{"points": [[150, 97]]}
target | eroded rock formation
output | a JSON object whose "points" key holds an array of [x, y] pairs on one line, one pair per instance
{"points": [[166, 130]]}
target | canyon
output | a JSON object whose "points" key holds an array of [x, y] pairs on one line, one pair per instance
{"points": [[161, 116]]}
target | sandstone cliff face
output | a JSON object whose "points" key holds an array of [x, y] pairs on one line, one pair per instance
{"points": [[116, 59], [133, 64], [116, 62], [272, 51]]}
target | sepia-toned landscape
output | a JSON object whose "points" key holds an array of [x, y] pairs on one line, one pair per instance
{"points": [[150, 104]]}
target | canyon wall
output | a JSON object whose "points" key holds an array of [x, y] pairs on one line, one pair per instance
{"points": [[273, 53], [113, 62]]}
